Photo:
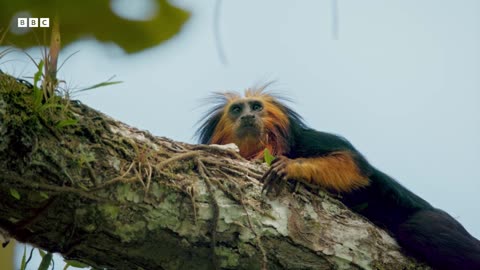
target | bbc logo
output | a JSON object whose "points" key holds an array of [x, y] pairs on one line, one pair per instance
{"points": [[33, 22]]}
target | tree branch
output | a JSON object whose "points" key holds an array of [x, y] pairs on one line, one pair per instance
{"points": [[110, 195]]}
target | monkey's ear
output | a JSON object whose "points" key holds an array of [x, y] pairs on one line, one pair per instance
{"points": [[205, 132], [210, 119]]}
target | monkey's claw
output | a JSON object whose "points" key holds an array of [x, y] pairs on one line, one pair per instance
{"points": [[277, 172]]}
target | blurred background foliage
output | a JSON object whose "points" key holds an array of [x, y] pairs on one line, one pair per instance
{"points": [[90, 19]]}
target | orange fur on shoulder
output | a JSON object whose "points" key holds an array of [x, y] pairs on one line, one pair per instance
{"points": [[337, 171]]}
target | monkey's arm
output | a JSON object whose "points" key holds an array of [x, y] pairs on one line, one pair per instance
{"points": [[336, 171], [321, 159]]}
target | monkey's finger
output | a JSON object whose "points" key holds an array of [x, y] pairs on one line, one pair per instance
{"points": [[266, 187], [275, 182], [282, 174], [266, 175], [269, 180], [278, 159], [266, 179], [270, 187], [277, 167], [275, 160], [276, 170], [277, 173], [278, 164]]}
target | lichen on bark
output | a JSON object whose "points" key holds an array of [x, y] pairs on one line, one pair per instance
{"points": [[103, 193]]}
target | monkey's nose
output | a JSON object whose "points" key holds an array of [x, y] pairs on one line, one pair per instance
{"points": [[248, 119]]}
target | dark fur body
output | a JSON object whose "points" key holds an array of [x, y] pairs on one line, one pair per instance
{"points": [[425, 232]]}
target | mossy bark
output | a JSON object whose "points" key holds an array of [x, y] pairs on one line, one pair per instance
{"points": [[103, 193]]}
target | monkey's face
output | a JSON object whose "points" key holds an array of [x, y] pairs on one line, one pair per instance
{"points": [[254, 123], [246, 115]]}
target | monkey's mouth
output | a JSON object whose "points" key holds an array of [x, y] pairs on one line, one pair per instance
{"points": [[248, 129]]}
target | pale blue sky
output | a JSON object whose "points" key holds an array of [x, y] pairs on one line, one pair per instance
{"points": [[401, 83]]}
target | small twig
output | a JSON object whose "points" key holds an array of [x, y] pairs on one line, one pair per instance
{"points": [[138, 173], [222, 151], [173, 149], [114, 180], [179, 157], [237, 170], [149, 171], [191, 193], [91, 174]]}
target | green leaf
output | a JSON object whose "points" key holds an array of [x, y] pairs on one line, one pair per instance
{"points": [[82, 186], [42, 253], [74, 263], [15, 193], [92, 18], [38, 74], [37, 98], [66, 122], [37, 92], [23, 265], [44, 195], [268, 157], [47, 259], [50, 105], [99, 85]]}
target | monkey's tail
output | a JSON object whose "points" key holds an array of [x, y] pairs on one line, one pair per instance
{"points": [[440, 240]]}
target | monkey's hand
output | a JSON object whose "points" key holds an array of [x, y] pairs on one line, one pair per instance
{"points": [[337, 171], [278, 172]]}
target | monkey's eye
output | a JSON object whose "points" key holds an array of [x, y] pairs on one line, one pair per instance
{"points": [[257, 107], [236, 109]]}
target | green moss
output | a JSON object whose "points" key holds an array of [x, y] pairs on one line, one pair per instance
{"points": [[109, 211], [248, 249], [37, 196], [126, 193], [90, 228], [228, 258], [131, 231], [161, 215], [19, 100], [156, 191], [84, 156]]}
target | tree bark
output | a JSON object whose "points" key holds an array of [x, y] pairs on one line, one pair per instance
{"points": [[109, 195]]}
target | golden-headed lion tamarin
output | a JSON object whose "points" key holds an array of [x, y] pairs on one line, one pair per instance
{"points": [[261, 120]]}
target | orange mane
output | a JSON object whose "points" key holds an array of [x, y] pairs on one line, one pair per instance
{"points": [[219, 128]]}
